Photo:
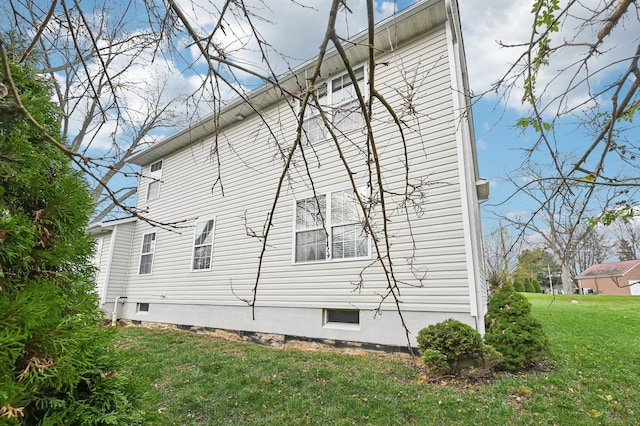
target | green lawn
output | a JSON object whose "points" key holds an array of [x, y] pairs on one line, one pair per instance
{"points": [[185, 378]]}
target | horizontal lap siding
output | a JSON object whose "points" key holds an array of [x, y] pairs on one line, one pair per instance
{"points": [[101, 261], [250, 168], [120, 260]]}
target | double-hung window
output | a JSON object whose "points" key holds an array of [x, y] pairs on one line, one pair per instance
{"points": [[203, 245], [154, 176], [339, 102], [347, 114], [348, 237], [329, 227], [311, 234], [146, 253]]}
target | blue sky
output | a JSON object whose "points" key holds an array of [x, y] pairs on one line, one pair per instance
{"points": [[484, 24], [499, 141]]}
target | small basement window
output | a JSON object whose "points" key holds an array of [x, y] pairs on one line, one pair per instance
{"points": [[342, 316], [142, 307]]}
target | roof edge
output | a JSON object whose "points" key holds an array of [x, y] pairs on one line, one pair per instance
{"points": [[268, 95]]}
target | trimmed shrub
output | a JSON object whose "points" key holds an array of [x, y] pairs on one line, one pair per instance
{"points": [[519, 286], [451, 347], [528, 285], [536, 286], [512, 330]]}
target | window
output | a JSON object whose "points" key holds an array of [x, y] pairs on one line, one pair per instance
{"points": [[337, 235], [341, 316], [203, 245], [142, 307], [339, 95], [146, 253], [311, 236], [155, 174]]}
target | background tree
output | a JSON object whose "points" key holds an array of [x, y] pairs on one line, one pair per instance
{"points": [[56, 365], [501, 251], [559, 220], [627, 234], [595, 247], [575, 78], [115, 90], [626, 251], [534, 266]]}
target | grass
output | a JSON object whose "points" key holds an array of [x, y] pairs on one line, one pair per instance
{"points": [[185, 379]]}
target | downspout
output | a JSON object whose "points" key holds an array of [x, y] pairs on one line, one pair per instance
{"points": [[114, 314], [107, 273]]}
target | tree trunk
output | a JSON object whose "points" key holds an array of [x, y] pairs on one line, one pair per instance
{"points": [[565, 276]]}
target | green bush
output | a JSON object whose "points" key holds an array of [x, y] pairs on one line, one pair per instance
{"points": [[519, 286], [512, 330], [451, 347], [529, 286], [56, 362], [536, 286]]}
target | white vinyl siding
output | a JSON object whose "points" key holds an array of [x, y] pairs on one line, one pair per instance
{"points": [[115, 260], [101, 261], [249, 172], [250, 165], [146, 253], [203, 245]]}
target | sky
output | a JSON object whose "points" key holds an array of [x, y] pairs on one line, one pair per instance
{"points": [[296, 28], [499, 141], [485, 27]]}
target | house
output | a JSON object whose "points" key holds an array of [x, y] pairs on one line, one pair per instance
{"points": [[621, 278], [330, 270]]}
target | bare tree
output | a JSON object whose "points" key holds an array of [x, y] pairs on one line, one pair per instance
{"points": [[577, 77], [109, 80], [95, 53], [627, 234], [560, 219], [501, 253], [595, 247]]}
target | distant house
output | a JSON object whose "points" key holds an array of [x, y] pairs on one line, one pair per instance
{"points": [[320, 279], [622, 278]]}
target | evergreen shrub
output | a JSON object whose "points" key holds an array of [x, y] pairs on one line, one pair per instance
{"points": [[56, 362], [529, 286], [519, 286], [452, 347], [513, 331]]}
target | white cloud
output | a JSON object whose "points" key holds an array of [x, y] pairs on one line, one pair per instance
{"points": [[487, 24], [293, 30]]}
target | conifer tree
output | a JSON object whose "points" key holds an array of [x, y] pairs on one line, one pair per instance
{"points": [[512, 330], [56, 365]]}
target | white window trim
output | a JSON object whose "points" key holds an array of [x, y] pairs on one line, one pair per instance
{"points": [[329, 105], [152, 252], [328, 227], [153, 177], [193, 242]]}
